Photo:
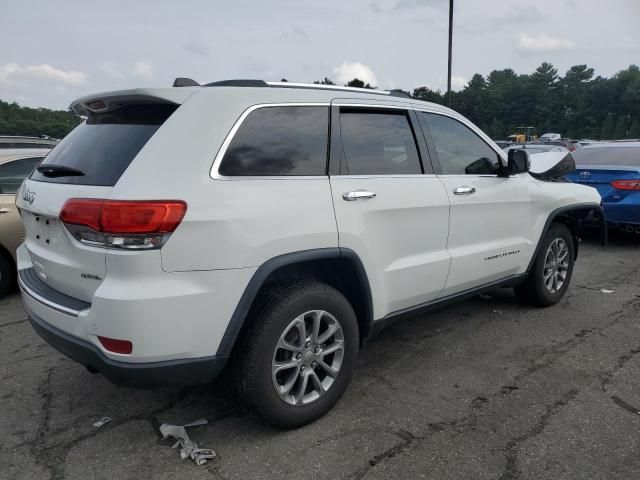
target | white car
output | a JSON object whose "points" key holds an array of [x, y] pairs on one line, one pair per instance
{"points": [[273, 227]]}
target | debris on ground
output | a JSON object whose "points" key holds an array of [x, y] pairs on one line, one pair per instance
{"points": [[625, 405], [499, 312], [606, 290], [102, 422], [188, 448]]}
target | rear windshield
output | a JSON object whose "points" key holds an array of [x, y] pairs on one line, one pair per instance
{"points": [[103, 147], [615, 156]]}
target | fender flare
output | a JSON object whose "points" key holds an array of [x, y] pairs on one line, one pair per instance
{"points": [[259, 277], [589, 208]]}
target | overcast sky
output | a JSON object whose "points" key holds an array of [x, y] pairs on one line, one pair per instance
{"points": [[54, 51]]}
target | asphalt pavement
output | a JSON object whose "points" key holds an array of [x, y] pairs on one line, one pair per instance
{"points": [[483, 389]]}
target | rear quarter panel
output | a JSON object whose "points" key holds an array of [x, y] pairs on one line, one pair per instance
{"points": [[230, 223]]}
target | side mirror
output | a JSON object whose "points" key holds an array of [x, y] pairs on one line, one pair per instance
{"points": [[518, 161]]}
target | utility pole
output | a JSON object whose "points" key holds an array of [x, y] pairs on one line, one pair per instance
{"points": [[450, 44]]}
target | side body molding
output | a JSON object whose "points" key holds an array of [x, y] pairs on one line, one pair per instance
{"points": [[241, 312]]}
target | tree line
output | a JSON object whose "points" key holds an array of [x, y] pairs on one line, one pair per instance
{"points": [[576, 105], [35, 122]]}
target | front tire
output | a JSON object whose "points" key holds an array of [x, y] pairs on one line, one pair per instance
{"points": [[297, 357], [552, 269]]}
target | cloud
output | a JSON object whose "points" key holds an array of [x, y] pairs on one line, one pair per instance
{"points": [[142, 69], [514, 15], [458, 82], [348, 71], [197, 47], [413, 4], [544, 43], [628, 43], [296, 33], [14, 73], [112, 70]]}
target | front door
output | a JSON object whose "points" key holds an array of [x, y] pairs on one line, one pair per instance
{"points": [[490, 215]]}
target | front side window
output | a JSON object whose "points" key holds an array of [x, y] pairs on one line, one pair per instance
{"points": [[378, 143], [279, 141], [460, 150], [13, 173]]}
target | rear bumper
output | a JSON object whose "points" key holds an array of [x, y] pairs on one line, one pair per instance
{"points": [[140, 375]]}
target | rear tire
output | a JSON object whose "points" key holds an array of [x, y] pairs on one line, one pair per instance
{"points": [[7, 274], [552, 269], [282, 369]]}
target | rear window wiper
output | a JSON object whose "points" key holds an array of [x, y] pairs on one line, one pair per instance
{"points": [[53, 171]]}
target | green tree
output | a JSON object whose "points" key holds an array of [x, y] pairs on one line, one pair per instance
{"points": [[324, 81], [356, 82], [607, 128], [621, 128], [634, 129]]}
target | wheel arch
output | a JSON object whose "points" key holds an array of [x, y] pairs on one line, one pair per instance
{"points": [[571, 215], [340, 268]]}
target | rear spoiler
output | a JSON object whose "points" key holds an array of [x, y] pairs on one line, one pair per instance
{"points": [[108, 101]]}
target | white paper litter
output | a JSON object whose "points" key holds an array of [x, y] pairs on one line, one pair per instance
{"points": [[102, 422], [188, 448], [605, 290]]}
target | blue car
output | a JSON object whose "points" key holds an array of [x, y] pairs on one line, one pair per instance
{"points": [[613, 169]]}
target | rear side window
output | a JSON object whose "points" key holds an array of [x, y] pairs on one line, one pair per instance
{"points": [[279, 141], [460, 150], [103, 147], [13, 173], [378, 143]]}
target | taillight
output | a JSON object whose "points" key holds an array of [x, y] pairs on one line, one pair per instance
{"points": [[626, 184], [121, 223]]}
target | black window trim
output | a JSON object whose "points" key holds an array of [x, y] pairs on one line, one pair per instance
{"points": [[214, 173], [335, 150], [437, 167]]}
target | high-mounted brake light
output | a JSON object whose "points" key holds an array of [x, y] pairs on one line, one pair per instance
{"points": [[122, 223], [626, 184]]}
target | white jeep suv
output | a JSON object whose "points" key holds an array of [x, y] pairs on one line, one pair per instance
{"points": [[273, 227]]}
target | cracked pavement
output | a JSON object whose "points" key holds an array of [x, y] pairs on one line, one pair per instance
{"points": [[482, 389]]}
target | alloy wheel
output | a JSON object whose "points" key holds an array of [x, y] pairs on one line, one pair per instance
{"points": [[556, 265], [307, 358]]}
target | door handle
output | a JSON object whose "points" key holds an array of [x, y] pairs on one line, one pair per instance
{"points": [[357, 195], [4, 210], [464, 190]]}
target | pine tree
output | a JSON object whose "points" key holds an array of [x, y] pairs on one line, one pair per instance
{"points": [[607, 128], [620, 131], [634, 130]]}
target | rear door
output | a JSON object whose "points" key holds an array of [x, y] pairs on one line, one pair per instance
{"points": [[490, 224], [390, 207], [96, 153]]}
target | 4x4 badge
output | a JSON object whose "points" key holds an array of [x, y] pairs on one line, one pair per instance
{"points": [[28, 196]]}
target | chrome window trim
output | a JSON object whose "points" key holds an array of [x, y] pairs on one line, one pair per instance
{"points": [[236, 126], [48, 303]]}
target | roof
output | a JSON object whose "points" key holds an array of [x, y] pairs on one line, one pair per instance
{"points": [[251, 90]]}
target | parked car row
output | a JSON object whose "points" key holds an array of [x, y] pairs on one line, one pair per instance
{"points": [[15, 166]]}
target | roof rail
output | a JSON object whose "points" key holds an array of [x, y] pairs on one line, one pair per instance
{"points": [[238, 83], [337, 87], [188, 82]]}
